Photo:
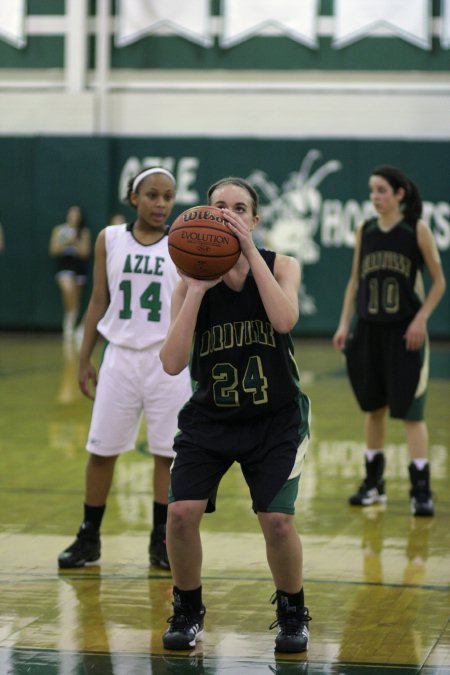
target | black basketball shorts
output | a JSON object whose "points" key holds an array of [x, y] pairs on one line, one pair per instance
{"points": [[270, 449], [383, 372]]}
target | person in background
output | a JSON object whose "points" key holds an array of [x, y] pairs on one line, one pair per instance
{"points": [[387, 352], [134, 277], [70, 246], [247, 407], [117, 219]]}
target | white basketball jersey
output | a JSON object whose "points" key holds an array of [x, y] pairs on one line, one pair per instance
{"points": [[141, 280]]}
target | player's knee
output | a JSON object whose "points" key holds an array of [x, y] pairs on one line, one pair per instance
{"points": [[181, 518], [102, 460], [277, 527], [378, 414]]}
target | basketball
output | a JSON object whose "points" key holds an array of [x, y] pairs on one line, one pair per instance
{"points": [[201, 244]]}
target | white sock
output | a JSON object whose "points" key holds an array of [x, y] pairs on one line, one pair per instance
{"points": [[420, 462], [371, 454]]}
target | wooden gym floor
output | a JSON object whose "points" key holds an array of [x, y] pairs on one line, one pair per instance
{"points": [[377, 581]]}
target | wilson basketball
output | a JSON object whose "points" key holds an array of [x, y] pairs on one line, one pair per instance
{"points": [[201, 244]]}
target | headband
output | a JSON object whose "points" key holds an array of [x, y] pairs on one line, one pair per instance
{"points": [[148, 172]]}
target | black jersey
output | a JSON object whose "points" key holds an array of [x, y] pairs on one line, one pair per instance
{"points": [[240, 365], [390, 272]]}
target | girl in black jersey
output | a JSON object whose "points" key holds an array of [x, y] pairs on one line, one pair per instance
{"points": [[247, 407], [387, 355], [70, 246]]}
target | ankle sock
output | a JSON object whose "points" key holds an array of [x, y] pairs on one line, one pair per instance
{"points": [[192, 598], [94, 515], [371, 454], [159, 514], [420, 463], [294, 599]]}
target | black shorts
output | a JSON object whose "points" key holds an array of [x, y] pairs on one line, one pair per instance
{"points": [[73, 265], [269, 448], [383, 372]]}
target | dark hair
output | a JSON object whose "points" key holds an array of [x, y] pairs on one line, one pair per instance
{"points": [[81, 221], [411, 203], [130, 190], [240, 182]]}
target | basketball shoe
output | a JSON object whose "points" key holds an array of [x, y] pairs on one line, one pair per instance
{"points": [[372, 489], [84, 550], [186, 626], [292, 622], [420, 493], [157, 548]]}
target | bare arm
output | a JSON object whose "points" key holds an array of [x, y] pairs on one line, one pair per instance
{"points": [[84, 243], [98, 305], [55, 246], [417, 329], [278, 291], [341, 334], [186, 300]]}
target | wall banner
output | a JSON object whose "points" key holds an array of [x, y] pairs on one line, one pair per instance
{"points": [[313, 193], [141, 17], [12, 22], [355, 20], [244, 20]]}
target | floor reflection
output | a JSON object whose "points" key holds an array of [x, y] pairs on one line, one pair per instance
{"points": [[389, 601], [69, 390], [377, 581]]}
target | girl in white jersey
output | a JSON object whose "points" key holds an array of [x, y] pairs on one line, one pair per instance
{"points": [[134, 277]]}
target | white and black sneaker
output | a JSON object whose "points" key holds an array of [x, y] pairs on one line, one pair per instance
{"points": [[422, 506], [292, 623], [186, 626], [367, 494]]}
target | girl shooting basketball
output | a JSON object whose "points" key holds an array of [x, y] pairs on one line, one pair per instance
{"points": [[247, 407]]}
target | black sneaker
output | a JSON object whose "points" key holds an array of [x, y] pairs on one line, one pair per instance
{"points": [[186, 626], [420, 493], [85, 549], [372, 489], [292, 623], [157, 548]]}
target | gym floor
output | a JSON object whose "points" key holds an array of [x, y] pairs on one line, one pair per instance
{"points": [[377, 581]]}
